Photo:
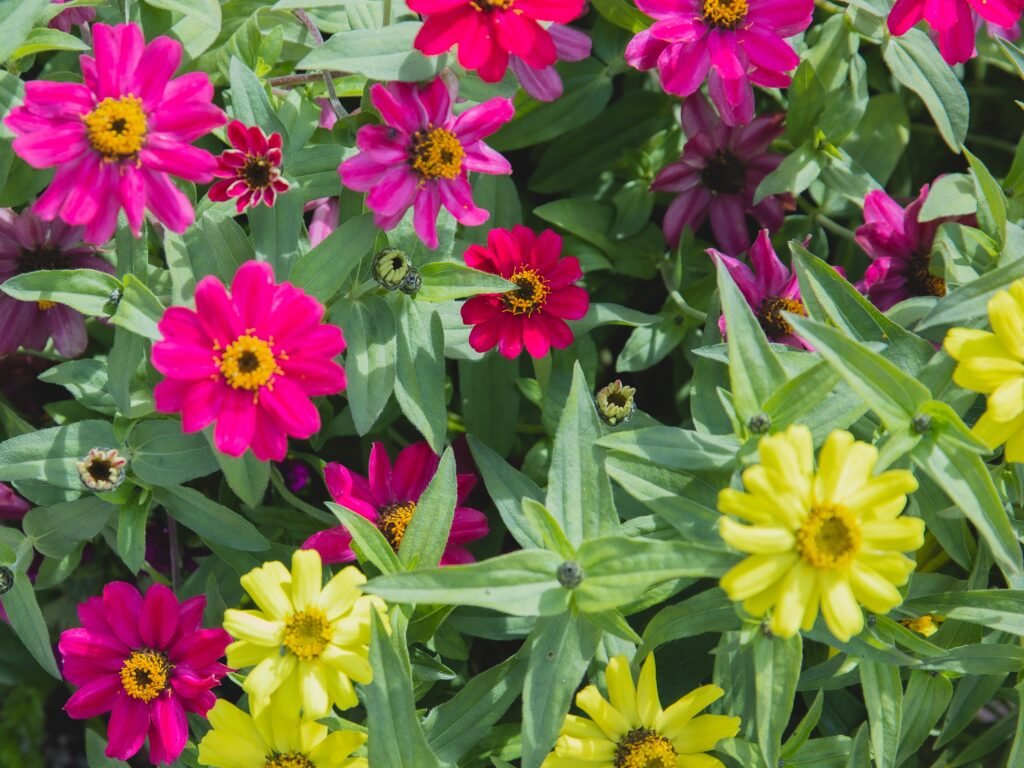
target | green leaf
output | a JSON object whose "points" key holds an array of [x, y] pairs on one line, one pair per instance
{"points": [[126, 355], [131, 531], [323, 269], [996, 608], [26, 618], [57, 530], [275, 231], [978, 659], [675, 448], [446, 280], [708, 611], [796, 173], [949, 195], [196, 22], [249, 101], [991, 200], [50, 455], [550, 531], [397, 739], [17, 18], [209, 519], [419, 385], [777, 661], [968, 305], [368, 540], [805, 727], [883, 695], [427, 535], [164, 455], [246, 475], [507, 487], [42, 39], [520, 584], [139, 310], [483, 384], [622, 14], [926, 699], [87, 290], [386, 53], [370, 364]]}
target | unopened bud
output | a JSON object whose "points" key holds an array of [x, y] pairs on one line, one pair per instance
{"points": [[759, 423], [390, 268], [102, 469], [615, 403], [570, 574], [413, 282]]}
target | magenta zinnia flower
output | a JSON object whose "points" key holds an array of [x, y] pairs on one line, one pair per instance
{"points": [[900, 248], [769, 289], [249, 361], [388, 500], [251, 171], [28, 244], [71, 17], [534, 315], [12, 506], [732, 43], [544, 83], [115, 138], [953, 21], [422, 155], [717, 175], [488, 31], [144, 660]]}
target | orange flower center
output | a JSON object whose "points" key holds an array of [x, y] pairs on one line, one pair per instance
{"points": [[436, 154], [829, 538], [117, 127], [644, 748], [393, 520], [289, 760], [531, 295], [726, 14], [770, 315], [307, 633], [920, 280], [249, 362], [144, 675]]}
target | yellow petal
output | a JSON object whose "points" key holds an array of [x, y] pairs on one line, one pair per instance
{"points": [[608, 719], [704, 732], [872, 590], [349, 661], [559, 761], [315, 700], [681, 712], [334, 750], [586, 749], [267, 587], [581, 728], [791, 455], [843, 615], [785, 506], [219, 749], [648, 704], [811, 609], [746, 506], [253, 627], [1015, 447], [1007, 321], [756, 539], [698, 761], [843, 468], [341, 592], [758, 605], [340, 689], [795, 593], [621, 690], [875, 499], [1007, 401], [985, 374], [265, 678], [307, 576], [904, 534], [229, 719], [892, 566], [994, 433], [963, 342], [242, 654], [755, 574]]}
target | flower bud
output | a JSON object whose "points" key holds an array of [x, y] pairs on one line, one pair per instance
{"points": [[759, 423], [615, 403], [6, 579], [570, 574], [413, 282], [102, 469], [391, 267]]}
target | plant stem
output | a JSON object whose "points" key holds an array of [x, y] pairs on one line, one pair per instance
{"points": [[817, 216], [972, 138], [309, 77], [175, 552], [332, 94], [677, 298], [387, 12]]}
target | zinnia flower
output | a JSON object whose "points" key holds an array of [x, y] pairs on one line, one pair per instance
{"points": [[144, 660], [249, 361], [12, 506], [534, 315], [717, 175], [900, 248], [731, 43], [422, 156], [487, 31], [251, 171], [275, 740], [830, 538], [629, 729], [306, 642], [388, 499], [770, 289], [326, 210], [544, 83], [953, 22], [992, 363], [115, 138], [28, 244], [71, 17]]}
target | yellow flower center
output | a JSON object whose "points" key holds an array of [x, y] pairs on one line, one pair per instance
{"points": [[436, 154], [492, 5], [45, 305], [926, 625], [829, 538], [770, 315], [725, 13], [307, 633], [530, 296], [289, 760], [393, 520], [249, 363], [921, 281], [144, 675], [117, 127], [643, 748]]}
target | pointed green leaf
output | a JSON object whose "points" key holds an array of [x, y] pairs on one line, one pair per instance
{"points": [[427, 535], [777, 661], [883, 696]]}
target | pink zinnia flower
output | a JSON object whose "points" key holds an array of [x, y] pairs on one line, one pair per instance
{"points": [[487, 31], [900, 248], [251, 171], [12, 506], [422, 156], [71, 17], [769, 289], [544, 83], [534, 315], [717, 175], [28, 244], [953, 22], [115, 139], [326, 210], [388, 500], [732, 43], [144, 660], [249, 361]]}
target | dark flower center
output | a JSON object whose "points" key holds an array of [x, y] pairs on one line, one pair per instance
{"points": [[99, 470], [920, 280], [724, 173], [531, 295], [770, 315], [248, 362], [44, 257], [256, 172], [288, 760], [392, 521]]}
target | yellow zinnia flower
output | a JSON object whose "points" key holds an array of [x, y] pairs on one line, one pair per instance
{"points": [[831, 537], [304, 643], [629, 729], [993, 364], [271, 740]]}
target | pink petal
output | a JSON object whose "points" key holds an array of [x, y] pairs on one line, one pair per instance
{"points": [[129, 722]]}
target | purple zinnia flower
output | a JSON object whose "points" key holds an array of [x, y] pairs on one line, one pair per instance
{"points": [[71, 17], [28, 244], [717, 175], [544, 83], [12, 506]]}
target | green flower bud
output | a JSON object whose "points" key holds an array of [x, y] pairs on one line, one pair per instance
{"points": [[391, 267], [615, 403]]}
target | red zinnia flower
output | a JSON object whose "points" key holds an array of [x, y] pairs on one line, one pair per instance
{"points": [[388, 500], [115, 138], [487, 31], [953, 21], [534, 315], [144, 660], [249, 361], [252, 170]]}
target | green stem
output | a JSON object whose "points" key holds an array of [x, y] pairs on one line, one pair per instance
{"points": [[972, 138], [387, 12], [677, 297], [542, 370], [818, 217]]}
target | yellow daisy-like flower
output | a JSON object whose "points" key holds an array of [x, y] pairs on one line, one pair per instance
{"points": [[992, 363], [274, 740], [831, 538], [305, 643], [629, 729]]}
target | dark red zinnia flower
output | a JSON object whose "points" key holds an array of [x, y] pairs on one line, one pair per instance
{"points": [[251, 172]]}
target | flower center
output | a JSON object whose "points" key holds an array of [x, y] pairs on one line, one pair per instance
{"points": [[289, 760], [44, 305], [920, 280], [392, 521], [770, 315], [144, 674], [117, 127], [926, 625], [643, 748], [726, 14], [249, 363], [492, 5], [531, 295], [40, 258], [829, 538], [724, 173], [306, 634], [257, 172], [436, 154]]}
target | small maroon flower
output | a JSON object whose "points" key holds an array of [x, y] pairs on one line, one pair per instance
{"points": [[72, 17], [12, 506], [251, 171]]}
